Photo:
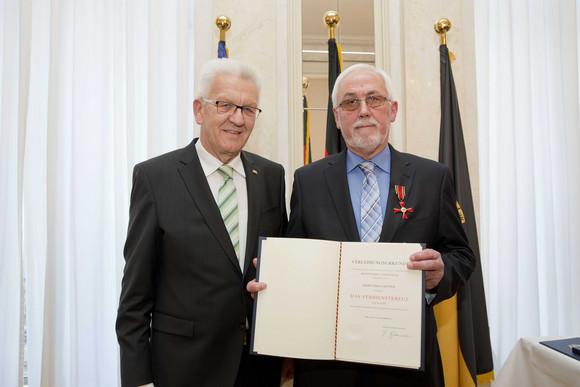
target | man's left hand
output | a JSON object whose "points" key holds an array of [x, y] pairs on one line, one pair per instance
{"points": [[254, 287]]}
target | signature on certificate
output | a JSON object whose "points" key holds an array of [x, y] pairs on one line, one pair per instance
{"points": [[391, 334]]}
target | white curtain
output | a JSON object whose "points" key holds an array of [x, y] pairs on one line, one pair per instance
{"points": [[88, 89], [527, 56]]}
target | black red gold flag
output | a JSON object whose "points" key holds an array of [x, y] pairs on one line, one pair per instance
{"points": [[334, 141], [306, 137], [463, 329]]}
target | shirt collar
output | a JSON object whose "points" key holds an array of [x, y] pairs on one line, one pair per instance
{"points": [[381, 160], [210, 163]]}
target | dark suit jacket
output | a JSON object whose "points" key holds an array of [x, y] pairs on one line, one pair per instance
{"points": [[321, 208], [183, 306]]}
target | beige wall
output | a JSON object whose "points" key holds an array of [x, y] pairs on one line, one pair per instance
{"points": [[422, 87], [408, 50], [258, 36]]}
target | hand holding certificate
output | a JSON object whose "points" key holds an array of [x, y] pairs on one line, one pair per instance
{"points": [[347, 301]]}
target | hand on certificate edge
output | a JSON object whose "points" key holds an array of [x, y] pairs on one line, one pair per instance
{"points": [[430, 261], [254, 287]]}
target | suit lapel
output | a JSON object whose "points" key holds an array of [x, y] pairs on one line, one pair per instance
{"points": [[401, 174], [253, 180], [337, 183], [196, 182]]}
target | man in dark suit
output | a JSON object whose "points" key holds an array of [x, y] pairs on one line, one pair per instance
{"points": [[373, 193], [195, 217]]}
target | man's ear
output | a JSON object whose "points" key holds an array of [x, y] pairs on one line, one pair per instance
{"points": [[197, 106], [394, 110]]}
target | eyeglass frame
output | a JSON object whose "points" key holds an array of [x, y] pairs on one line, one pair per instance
{"points": [[252, 108], [359, 100]]}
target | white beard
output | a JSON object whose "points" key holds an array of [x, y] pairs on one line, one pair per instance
{"points": [[366, 141]]}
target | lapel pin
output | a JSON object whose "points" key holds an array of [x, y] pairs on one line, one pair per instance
{"points": [[254, 172]]}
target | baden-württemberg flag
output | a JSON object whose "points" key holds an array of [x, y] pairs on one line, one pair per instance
{"points": [[463, 330]]}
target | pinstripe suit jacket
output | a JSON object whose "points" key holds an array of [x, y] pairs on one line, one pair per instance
{"points": [[183, 307]]}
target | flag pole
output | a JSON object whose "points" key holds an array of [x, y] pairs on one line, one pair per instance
{"points": [[441, 27], [331, 21], [223, 23], [334, 141]]}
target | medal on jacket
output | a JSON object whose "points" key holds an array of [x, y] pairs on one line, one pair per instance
{"points": [[400, 190]]}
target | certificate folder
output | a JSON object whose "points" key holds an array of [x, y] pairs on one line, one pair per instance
{"points": [[348, 301], [564, 346]]}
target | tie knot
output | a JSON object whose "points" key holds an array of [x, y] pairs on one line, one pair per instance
{"points": [[226, 172], [367, 167]]}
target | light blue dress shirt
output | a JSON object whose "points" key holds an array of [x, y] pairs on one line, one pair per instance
{"points": [[356, 178]]}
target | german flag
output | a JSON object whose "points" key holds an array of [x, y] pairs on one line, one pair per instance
{"points": [[334, 141], [306, 137], [463, 330]]}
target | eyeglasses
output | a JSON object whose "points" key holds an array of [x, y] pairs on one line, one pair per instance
{"points": [[372, 101], [224, 107]]}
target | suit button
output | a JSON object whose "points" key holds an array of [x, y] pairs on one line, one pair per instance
{"points": [[242, 325]]}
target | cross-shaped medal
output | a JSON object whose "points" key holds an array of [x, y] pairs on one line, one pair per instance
{"points": [[400, 190]]}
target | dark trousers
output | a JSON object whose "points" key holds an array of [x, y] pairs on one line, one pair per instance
{"points": [[257, 370]]}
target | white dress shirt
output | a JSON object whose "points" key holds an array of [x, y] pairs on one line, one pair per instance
{"points": [[210, 165]]}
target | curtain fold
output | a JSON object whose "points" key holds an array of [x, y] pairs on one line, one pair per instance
{"points": [[88, 90], [10, 201], [529, 133]]}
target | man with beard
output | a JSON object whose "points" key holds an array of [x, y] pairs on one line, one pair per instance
{"points": [[373, 193]]}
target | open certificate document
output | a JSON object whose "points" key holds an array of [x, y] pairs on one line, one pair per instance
{"points": [[349, 301]]}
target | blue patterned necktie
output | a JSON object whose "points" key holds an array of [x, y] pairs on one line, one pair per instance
{"points": [[371, 217], [228, 205]]}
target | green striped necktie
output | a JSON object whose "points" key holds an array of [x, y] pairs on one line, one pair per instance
{"points": [[228, 205]]}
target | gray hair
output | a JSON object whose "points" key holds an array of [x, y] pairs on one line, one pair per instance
{"points": [[362, 67], [216, 67]]}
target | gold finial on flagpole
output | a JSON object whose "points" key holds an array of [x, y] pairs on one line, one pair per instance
{"points": [[331, 21], [441, 27], [305, 84], [223, 23]]}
